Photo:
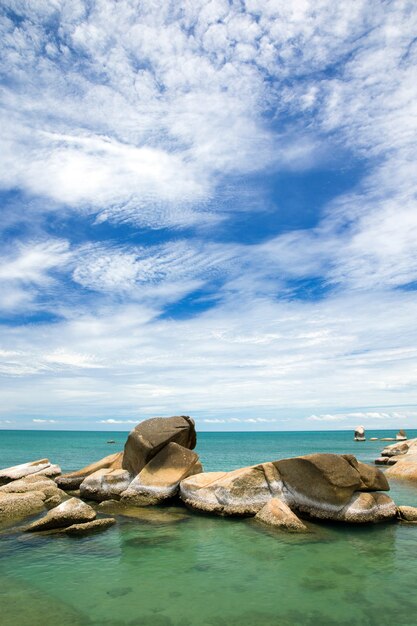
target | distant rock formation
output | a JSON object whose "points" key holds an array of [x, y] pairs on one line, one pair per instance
{"points": [[401, 435], [359, 434]]}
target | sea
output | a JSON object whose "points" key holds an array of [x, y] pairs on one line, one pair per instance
{"points": [[168, 566]]}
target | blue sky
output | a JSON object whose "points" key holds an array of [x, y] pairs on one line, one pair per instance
{"points": [[208, 208]]}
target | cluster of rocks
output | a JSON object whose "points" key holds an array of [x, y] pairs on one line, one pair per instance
{"points": [[158, 462], [402, 459]]}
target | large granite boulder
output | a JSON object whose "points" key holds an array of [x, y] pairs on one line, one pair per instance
{"points": [[14, 506], [277, 514], [326, 486], [73, 480], [105, 484], [149, 437], [40, 467], [240, 492], [72, 511], [161, 476]]}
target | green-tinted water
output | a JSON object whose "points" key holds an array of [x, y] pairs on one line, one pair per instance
{"points": [[170, 567]]}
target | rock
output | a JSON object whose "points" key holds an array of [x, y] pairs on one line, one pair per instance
{"points": [[35, 482], [149, 437], [318, 485], [240, 492], [405, 467], [401, 435], [328, 479], [105, 484], [359, 434], [367, 507], [372, 479], [382, 460], [94, 526], [70, 512], [160, 478], [277, 513], [20, 505], [407, 513], [73, 480], [395, 449], [41, 466]]}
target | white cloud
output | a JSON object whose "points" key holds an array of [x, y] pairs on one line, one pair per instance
{"points": [[42, 421]]}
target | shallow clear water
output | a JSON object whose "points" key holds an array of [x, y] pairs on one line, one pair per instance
{"points": [[172, 567]]}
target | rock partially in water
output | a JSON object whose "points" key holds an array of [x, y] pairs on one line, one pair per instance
{"points": [[14, 506], [318, 485], [405, 456], [160, 478], [149, 437], [365, 508], [105, 484], [40, 467], [359, 434], [407, 513], [72, 511], [73, 480], [86, 528], [240, 492], [276, 513]]}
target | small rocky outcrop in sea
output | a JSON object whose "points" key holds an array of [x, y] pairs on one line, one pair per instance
{"points": [[324, 486], [158, 462], [359, 434]]}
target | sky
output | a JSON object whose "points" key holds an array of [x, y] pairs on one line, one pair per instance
{"points": [[208, 208]]}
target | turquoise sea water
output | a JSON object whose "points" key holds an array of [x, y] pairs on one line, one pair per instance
{"points": [[171, 567]]}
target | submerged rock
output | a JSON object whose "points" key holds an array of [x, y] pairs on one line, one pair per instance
{"points": [[20, 505], [40, 467], [94, 526], [160, 478], [70, 512], [276, 513], [73, 480], [149, 437], [105, 484], [325, 486]]}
